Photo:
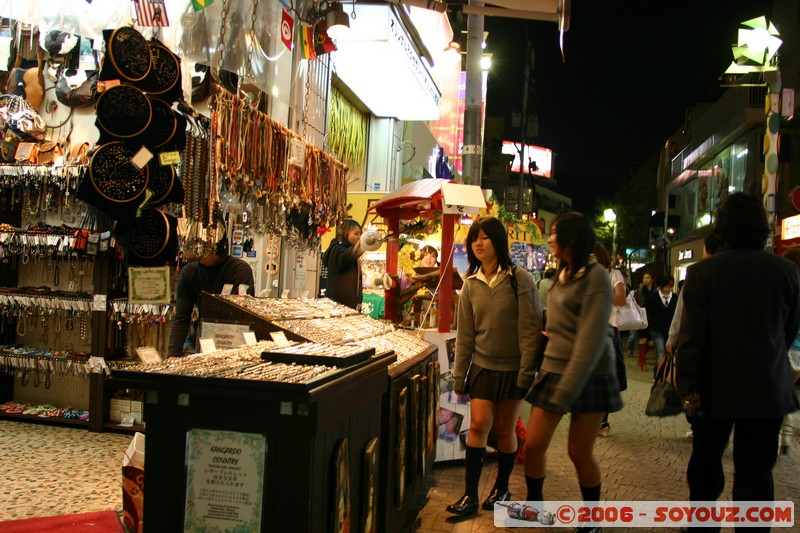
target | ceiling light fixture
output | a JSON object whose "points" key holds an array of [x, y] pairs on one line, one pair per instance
{"points": [[336, 20]]}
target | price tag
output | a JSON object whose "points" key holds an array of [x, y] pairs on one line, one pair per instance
{"points": [[99, 302], [148, 354], [142, 157], [280, 338], [98, 365], [227, 288], [207, 346], [169, 158], [285, 294], [305, 295], [250, 337], [243, 289]]}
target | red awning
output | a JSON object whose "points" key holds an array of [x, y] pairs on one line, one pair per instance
{"points": [[412, 199]]}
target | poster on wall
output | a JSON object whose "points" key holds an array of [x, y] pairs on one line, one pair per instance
{"points": [[148, 285], [341, 507], [370, 520], [224, 480]]}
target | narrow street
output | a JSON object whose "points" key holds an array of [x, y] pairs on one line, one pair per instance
{"points": [[642, 459]]}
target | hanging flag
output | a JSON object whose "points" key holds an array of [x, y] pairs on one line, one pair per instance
{"points": [[287, 29], [151, 13], [307, 42], [201, 4], [322, 42]]}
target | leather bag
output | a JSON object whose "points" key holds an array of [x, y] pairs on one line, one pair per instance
{"points": [[664, 398], [27, 152], [8, 150], [28, 83], [80, 95], [48, 153]]}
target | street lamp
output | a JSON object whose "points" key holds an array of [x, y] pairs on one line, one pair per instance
{"points": [[611, 217]]}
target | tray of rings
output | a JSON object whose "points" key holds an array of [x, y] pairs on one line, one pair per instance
{"points": [[312, 353]]}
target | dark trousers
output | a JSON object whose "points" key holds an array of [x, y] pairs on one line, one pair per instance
{"points": [[755, 450]]}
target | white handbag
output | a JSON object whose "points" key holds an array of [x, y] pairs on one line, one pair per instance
{"points": [[630, 316]]}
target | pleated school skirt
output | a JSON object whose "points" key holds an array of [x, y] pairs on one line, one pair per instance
{"points": [[493, 385], [600, 394]]}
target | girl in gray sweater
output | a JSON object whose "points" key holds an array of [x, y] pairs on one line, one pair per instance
{"points": [[578, 375], [499, 320]]}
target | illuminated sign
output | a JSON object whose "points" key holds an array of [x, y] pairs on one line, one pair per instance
{"points": [[685, 254], [378, 62], [790, 228], [536, 158]]}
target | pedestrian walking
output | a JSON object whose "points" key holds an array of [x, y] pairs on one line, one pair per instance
{"points": [[732, 367]]}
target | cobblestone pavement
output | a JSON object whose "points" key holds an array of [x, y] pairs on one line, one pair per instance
{"points": [[643, 458]]}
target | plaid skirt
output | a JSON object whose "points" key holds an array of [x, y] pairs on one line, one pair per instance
{"points": [[493, 385], [599, 395]]}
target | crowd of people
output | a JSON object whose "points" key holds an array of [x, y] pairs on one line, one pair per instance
{"points": [[555, 344], [733, 368]]}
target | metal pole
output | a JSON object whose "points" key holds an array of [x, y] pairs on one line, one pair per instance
{"points": [[474, 98], [523, 128]]}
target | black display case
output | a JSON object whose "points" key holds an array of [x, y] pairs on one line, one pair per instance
{"points": [[391, 397]]}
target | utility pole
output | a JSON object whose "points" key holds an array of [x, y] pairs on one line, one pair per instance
{"points": [[523, 127], [473, 141]]}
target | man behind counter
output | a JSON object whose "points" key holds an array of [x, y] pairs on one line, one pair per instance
{"points": [[208, 273]]}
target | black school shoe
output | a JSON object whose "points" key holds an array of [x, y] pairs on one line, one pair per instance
{"points": [[465, 506], [495, 496]]}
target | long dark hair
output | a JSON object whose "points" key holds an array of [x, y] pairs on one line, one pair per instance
{"points": [[574, 232], [496, 231]]}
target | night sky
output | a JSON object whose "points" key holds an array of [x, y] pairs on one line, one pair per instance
{"points": [[632, 71]]}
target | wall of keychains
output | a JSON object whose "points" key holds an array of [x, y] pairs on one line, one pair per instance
{"points": [[106, 163]]}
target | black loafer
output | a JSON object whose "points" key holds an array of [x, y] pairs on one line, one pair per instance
{"points": [[495, 496], [466, 505]]}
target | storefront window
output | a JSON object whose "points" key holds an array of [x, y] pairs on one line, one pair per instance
{"points": [[686, 205], [738, 165]]}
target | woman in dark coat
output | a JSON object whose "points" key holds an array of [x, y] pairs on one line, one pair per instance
{"points": [[344, 268]]}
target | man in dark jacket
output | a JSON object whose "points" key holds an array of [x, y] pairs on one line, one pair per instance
{"points": [[209, 273], [732, 364]]}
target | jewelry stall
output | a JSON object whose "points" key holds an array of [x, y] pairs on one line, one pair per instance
{"points": [[335, 407]]}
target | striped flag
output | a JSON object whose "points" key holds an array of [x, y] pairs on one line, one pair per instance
{"points": [[307, 41], [151, 13]]}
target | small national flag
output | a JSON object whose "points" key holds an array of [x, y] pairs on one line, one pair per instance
{"points": [[307, 42], [287, 29], [322, 42], [151, 13], [201, 4]]}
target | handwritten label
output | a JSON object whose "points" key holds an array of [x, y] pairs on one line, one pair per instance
{"points": [[148, 354], [207, 346], [279, 338], [169, 158], [227, 288], [142, 157], [243, 289], [285, 294], [250, 338]]}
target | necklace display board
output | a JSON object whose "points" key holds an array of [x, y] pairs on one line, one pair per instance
{"points": [[403, 417]]}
